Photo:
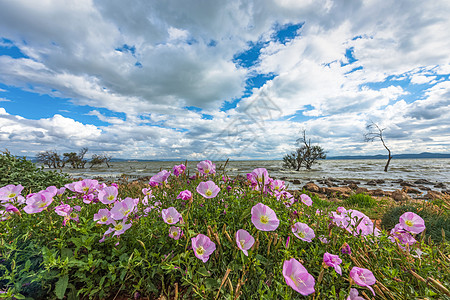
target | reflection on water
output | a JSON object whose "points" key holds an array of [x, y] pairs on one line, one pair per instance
{"points": [[434, 170]]}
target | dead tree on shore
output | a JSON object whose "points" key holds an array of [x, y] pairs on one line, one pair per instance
{"points": [[375, 132]]}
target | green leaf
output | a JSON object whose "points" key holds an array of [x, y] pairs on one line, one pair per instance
{"points": [[61, 286], [211, 283], [202, 271]]}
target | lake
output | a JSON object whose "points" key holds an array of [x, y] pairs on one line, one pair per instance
{"points": [[363, 170]]}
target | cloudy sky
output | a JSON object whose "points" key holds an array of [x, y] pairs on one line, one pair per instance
{"points": [[210, 79]]}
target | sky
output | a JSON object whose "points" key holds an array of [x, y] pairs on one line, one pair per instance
{"points": [[212, 79]]}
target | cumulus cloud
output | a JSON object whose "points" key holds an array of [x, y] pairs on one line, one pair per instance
{"points": [[170, 66]]}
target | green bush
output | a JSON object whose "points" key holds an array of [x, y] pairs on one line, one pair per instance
{"points": [[360, 200], [19, 170], [435, 223]]}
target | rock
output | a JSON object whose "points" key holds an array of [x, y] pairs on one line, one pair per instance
{"points": [[343, 191], [433, 195], [379, 181], [399, 195], [353, 186], [422, 181], [332, 179], [371, 182], [296, 181], [351, 182], [377, 192], [410, 190], [362, 190], [440, 185], [312, 187], [446, 192], [407, 183], [397, 181], [330, 183], [423, 188]]}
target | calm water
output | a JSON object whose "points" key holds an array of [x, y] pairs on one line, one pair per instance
{"points": [[434, 170]]}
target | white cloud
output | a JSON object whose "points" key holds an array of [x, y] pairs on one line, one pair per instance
{"points": [[151, 59]]}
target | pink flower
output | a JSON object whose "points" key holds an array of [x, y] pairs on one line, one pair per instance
{"points": [[206, 167], [175, 232], [306, 199], [178, 169], [297, 277], [244, 240], [11, 192], [404, 238], [303, 232], [259, 176], [354, 295], [103, 216], [350, 218], [346, 249], [363, 277], [334, 261], [208, 189], [85, 186], [264, 218], [171, 215], [38, 202], [118, 229], [203, 247], [108, 195], [123, 208], [63, 210], [412, 222], [159, 178], [185, 195], [277, 185]]}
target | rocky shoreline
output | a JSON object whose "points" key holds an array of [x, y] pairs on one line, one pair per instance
{"points": [[419, 189]]}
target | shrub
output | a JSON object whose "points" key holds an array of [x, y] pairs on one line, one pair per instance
{"points": [[19, 170], [434, 221], [360, 200]]}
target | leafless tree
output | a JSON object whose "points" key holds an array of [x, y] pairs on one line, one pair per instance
{"points": [[374, 132]]}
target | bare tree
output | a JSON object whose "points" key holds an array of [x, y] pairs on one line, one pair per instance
{"points": [[51, 159], [306, 155], [375, 132], [99, 159]]}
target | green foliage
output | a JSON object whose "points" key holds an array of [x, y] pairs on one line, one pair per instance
{"points": [[44, 259], [19, 170], [435, 221], [360, 200]]}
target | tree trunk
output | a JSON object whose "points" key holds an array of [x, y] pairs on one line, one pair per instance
{"points": [[387, 164]]}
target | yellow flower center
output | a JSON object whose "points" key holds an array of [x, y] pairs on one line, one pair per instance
{"points": [[264, 219], [118, 227], [104, 219], [242, 242], [208, 192], [169, 219], [409, 223], [43, 204], [200, 250], [110, 197], [206, 171], [301, 234], [174, 233], [12, 195], [85, 189]]}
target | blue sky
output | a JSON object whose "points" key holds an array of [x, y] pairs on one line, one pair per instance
{"points": [[225, 79]]}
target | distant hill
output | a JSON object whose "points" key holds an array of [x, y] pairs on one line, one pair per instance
{"points": [[395, 156]]}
